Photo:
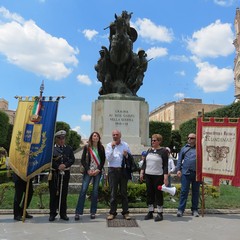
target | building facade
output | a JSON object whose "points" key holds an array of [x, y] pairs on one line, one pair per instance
{"points": [[181, 111], [4, 108]]}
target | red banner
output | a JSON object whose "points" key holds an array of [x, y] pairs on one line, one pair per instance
{"points": [[218, 150]]}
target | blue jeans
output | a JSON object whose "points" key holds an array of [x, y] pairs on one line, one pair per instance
{"points": [[186, 180], [94, 196]]}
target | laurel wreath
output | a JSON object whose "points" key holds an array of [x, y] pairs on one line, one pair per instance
{"points": [[31, 154]]}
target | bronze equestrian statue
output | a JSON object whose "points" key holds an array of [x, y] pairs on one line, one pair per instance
{"points": [[119, 69]]}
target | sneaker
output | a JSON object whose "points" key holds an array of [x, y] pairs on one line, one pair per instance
{"points": [[92, 216], [126, 216], [110, 217], [149, 216], [77, 217], [195, 213], [159, 217], [179, 213]]}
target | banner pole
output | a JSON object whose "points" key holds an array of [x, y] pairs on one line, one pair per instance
{"points": [[25, 201], [203, 199], [203, 189]]}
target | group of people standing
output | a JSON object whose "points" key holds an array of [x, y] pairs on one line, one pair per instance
{"points": [[155, 170]]}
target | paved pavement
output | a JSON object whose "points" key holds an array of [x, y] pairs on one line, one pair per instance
{"points": [[211, 226]]}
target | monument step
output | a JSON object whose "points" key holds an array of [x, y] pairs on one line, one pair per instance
{"points": [[74, 188], [75, 178]]}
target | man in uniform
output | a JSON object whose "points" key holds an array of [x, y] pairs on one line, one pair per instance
{"points": [[63, 158]]}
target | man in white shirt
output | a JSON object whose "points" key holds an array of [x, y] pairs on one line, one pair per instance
{"points": [[116, 151]]}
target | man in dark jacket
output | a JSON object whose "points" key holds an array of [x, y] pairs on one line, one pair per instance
{"points": [[63, 158]]}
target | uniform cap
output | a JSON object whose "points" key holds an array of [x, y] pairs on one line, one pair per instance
{"points": [[60, 133]]}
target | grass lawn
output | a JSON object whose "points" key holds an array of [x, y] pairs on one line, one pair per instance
{"points": [[229, 198]]}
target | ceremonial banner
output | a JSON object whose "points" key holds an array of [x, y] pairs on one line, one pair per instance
{"points": [[32, 137], [218, 150]]}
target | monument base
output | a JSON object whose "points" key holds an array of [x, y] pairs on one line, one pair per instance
{"points": [[128, 114]]}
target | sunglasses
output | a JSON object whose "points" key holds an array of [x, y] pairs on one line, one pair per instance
{"points": [[154, 140], [191, 138]]}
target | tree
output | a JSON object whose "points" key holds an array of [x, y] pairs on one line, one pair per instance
{"points": [[4, 125], [7, 143], [175, 144], [74, 139], [163, 128], [186, 128]]}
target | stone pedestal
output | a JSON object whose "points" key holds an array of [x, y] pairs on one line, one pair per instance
{"points": [[129, 114]]}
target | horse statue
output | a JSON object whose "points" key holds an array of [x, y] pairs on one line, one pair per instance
{"points": [[121, 44], [118, 68]]}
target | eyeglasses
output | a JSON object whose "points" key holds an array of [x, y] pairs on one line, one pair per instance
{"points": [[191, 138], [154, 140]]}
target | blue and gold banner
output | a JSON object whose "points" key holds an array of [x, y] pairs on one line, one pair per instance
{"points": [[32, 138]]}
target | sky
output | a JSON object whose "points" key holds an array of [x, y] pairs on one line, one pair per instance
{"points": [[58, 42]]}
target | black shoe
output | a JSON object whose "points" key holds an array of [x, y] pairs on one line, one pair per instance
{"points": [[28, 215], [64, 217], [159, 217], [149, 216], [92, 216], [77, 217], [18, 218], [52, 218]]}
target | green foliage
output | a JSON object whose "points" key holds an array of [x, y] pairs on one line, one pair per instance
{"points": [[39, 191], [230, 111], [6, 145], [175, 144], [186, 128], [74, 139], [4, 125], [4, 187], [5, 176], [163, 128]]}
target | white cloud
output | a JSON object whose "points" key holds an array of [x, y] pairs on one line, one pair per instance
{"points": [[33, 49], [77, 129], [225, 3], [212, 41], [147, 29], [179, 58], [181, 73], [89, 34], [212, 79], [156, 52], [84, 79], [86, 118], [179, 95]]}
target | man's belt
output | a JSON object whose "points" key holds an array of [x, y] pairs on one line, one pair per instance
{"points": [[66, 169]]}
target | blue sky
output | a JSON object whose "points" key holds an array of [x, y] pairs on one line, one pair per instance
{"points": [[58, 41]]}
